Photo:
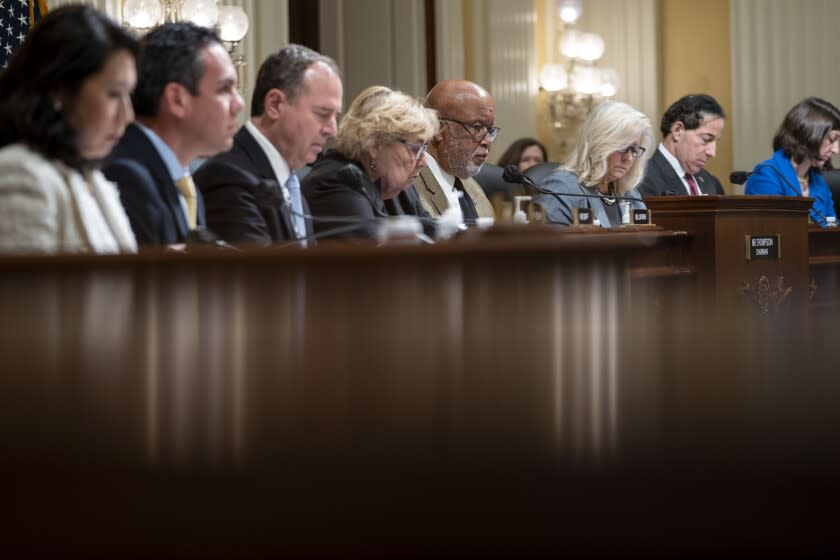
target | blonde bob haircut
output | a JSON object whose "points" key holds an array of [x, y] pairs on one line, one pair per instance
{"points": [[611, 126], [379, 116]]}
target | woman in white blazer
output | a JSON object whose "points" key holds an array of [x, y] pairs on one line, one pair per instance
{"points": [[65, 100]]}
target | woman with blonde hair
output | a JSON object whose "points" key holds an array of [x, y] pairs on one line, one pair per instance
{"points": [[380, 149], [613, 146]]}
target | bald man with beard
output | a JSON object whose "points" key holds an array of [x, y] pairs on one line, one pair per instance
{"points": [[467, 117]]}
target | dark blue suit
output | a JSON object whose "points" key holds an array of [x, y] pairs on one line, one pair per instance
{"points": [[148, 194], [237, 210]]}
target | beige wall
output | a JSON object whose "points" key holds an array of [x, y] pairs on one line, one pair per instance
{"points": [[695, 54]]}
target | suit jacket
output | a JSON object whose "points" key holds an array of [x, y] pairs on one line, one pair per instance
{"points": [[236, 210], [559, 208], [148, 193], [776, 176], [337, 186], [48, 207], [661, 179], [434, 199]]}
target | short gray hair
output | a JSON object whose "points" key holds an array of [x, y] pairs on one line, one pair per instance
{"points": [[284, 70]]}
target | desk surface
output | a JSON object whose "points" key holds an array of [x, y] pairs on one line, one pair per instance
{"points": [[522, 395]]}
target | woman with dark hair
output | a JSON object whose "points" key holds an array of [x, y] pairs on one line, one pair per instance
{"points": [[524, 153], [65, 100], [803, 146]]}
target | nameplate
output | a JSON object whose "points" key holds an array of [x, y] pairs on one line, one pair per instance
{"points": [[764, 247], [582, 216], [640, 217]]}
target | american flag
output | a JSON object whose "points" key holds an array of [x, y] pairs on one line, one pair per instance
{"points": [[16, 17]]}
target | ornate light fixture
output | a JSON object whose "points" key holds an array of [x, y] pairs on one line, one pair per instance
{"points": [[576, 85], [230, 22]]}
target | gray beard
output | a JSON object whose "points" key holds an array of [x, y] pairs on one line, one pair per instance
{"points": [[463, 166]]}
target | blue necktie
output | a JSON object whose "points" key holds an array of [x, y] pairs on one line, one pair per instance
{"points": [[298, 221]]}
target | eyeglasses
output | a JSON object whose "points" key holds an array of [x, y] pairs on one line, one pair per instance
{"points": [[478, 131], [416, 149], [635, 151]]}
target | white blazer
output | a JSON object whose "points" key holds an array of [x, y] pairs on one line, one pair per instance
{"points": [[48, 207]]}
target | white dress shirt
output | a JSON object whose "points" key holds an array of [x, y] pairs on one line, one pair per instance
{"points": [[675, 163]]}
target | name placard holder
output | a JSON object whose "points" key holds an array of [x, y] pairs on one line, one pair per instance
{"points": [[766, 246], [640, 217], [582, 216]]}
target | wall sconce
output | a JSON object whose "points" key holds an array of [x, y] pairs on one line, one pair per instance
{"points": [[576, 85]]}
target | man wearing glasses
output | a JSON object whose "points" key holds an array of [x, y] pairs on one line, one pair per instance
{"points": [[467, 115], [691, 129]]}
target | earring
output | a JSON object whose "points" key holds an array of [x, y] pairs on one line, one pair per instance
{"points": [[373, 165], [56, 105]]}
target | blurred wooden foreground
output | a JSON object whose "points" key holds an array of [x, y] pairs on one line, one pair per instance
{"points": [[532, 391]]}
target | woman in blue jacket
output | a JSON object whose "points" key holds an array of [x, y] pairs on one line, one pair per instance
{"points": [[803, 146]]}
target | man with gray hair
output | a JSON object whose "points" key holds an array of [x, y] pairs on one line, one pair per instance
{"points": [[297, 97]]}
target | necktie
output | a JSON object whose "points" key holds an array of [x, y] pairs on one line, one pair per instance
{"points": [[692, 184], [467, 204], [298, 221], [187, 188]]}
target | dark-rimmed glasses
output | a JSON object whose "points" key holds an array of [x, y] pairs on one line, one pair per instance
{"points": [[417, 149], [477, 131], [635, 151]]}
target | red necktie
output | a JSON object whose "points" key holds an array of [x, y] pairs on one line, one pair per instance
{"points": [[692, 184]]}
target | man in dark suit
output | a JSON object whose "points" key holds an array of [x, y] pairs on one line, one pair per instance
{"points": [[691, 129], [296, 100], [186, 104]]}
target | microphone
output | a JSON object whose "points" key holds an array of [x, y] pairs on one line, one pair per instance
{"points": [[511, 174], [203, 236], [268, 194], [740, 177]]}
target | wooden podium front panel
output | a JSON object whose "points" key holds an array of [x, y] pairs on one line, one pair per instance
{"points": [[720, 226]]}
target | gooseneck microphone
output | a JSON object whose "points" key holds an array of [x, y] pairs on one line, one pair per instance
{"points": [[511, 174], [740, 177]]}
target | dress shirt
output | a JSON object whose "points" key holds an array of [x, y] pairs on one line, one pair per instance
{"points": [[278, 162], [675, 163]]}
